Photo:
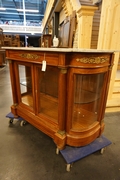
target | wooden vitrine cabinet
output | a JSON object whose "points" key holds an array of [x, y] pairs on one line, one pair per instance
{"points": [[66, 99]]}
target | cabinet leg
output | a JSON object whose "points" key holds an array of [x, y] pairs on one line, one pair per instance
{"points": [[102, 150], [57, 151], [68, 167]]}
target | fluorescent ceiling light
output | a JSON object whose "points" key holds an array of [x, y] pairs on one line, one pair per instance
{"points": [[27, 10], [1, 8]]}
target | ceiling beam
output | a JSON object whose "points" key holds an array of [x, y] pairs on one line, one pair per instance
{"points": [[16, 10]]}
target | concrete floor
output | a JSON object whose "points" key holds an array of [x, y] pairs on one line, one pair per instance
{"points": [[28, 154]]}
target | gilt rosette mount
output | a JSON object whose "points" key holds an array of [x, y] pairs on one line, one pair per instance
{"points": [[93, 60], [29, 56]]}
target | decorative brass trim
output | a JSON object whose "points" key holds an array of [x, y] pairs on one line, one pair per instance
{"points": [[63, 71], [93, 60], [29, 56], [102, 121], [61, 132], [15, 104], [9, 61], [110, 68]]}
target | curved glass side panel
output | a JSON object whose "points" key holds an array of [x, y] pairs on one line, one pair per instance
{"points": [[87, 98]]}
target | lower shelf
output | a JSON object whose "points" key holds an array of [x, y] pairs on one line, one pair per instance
{"points": [[47, 105], [82, 119]]}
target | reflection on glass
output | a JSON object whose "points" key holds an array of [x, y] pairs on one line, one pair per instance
{"points": [[26, 85], [48, 92], [87, 97]]}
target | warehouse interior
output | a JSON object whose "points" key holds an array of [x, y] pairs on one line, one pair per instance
{"points": [[28, 151]]}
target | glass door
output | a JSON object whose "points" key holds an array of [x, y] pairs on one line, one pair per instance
{"points": [[87, 96], [48, 92], [25, 79]]}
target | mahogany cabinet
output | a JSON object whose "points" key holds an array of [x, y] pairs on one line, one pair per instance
{"points": [[66, 99]]}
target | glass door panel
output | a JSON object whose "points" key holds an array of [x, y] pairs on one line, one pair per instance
{"points": [[26, 85], [48, 92], [87, 97]]}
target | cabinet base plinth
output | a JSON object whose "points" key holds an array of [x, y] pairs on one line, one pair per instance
{"points": [[14, 110], [102, 128], [81, 141], [60, 140]]}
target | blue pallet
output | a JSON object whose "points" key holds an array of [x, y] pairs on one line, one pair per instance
{"points": [[11, 116], [72, 154]]}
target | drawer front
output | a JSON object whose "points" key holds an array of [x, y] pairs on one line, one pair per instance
{"points": [[33, 57], [90, 60]]}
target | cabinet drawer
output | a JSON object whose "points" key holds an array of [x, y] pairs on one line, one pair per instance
{"points": [[34, 56], [90, 60]]}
